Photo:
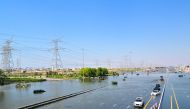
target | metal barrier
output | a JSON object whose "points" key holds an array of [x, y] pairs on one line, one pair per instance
{"points": [[161, 99], [57, 99]]}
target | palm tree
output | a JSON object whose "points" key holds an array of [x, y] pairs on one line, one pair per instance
{"points": [[3, 77]]}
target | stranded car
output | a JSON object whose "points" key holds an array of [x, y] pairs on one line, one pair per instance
{"points": [[155, 92], [138, 102]]}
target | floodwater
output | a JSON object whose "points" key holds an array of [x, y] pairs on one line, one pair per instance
{"points": [[179, 89], [120, 96]]}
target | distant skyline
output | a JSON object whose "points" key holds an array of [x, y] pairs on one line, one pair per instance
{"points": [[114, 33]]}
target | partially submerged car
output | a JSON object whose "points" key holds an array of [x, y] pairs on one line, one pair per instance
{"points": [[138, 102], [155, 92], [158, 85]]}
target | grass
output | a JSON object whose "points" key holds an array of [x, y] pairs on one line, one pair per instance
{"points": [[13, 80], [64, 76]]}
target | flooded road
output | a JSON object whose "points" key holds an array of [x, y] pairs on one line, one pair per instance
{"points": [[119, 96], [177, 92], [113, 97]]}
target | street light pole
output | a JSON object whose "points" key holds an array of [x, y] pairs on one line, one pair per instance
{"points": [[83, 62]]}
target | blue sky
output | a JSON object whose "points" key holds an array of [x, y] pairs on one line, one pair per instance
{"points": [[146, 32]]}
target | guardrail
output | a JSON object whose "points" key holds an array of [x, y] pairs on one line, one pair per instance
{"points": [[161, 99], [57, 99]]}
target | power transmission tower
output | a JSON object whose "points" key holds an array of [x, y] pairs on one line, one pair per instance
{"points": [[7, 61], [56, 55]]}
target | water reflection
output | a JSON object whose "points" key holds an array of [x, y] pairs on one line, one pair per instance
{"points": [[23, 86], [93, 80], [2, 95]]}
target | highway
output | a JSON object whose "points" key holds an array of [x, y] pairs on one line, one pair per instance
{"points": [[121, 96], [177, 94]]}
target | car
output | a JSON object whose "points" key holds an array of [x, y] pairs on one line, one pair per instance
{"points": [[161, 78], [180, 75], [138, 102], [157, 88], [157, 85], [155, 92]]}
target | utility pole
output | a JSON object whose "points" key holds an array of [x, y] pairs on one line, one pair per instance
{"points": [[83, 62], [109, 63], [83, 57], [7, 60], [56, 55]]}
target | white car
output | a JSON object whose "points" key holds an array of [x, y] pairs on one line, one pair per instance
{"points": [[138, 102], [155, 92]]}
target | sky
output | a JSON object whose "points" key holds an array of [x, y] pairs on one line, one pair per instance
{"points": [[113, 33]]}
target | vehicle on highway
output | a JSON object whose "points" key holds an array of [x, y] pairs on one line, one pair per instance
{"points": [[157, 88], [161, 78], [155, 92], [158, 85], [138, 102]]}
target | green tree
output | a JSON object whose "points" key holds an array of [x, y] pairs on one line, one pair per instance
{"points": [[99, 72], [85, 72], [104, 71], [3, 77], [93, 72]]}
